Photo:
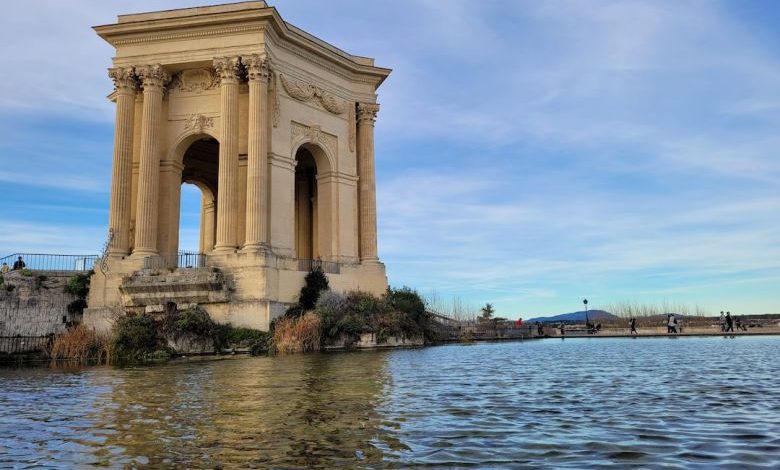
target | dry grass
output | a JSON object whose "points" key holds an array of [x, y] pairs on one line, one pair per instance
{"points": [[81, 344], [301, 334]]}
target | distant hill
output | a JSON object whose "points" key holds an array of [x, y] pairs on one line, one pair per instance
{"points": [[575, 316]]}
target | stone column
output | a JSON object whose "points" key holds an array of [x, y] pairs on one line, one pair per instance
{"points": [[227, 68], [122, 172], [367, 180], [153, 79], [257, 158]]}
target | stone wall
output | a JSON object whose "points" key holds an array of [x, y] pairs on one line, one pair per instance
{"points": [[36, 305]]}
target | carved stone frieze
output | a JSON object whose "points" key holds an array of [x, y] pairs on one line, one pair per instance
{"points": [[303, 91], [315, 135], [195, 80], [198, 122]]}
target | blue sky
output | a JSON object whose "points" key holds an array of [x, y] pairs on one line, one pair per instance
{"points": [[529, 154]]}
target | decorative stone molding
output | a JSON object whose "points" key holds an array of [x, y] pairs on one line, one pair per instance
{"points": [[227, 69], [303, 91], [275, 113], [352, 126], [257, 67], [152, 76], [366, 112], [195, 80], [124, 78], [198, 122], [315, 135]]}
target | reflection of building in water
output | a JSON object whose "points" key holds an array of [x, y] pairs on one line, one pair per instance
{"points": [[313, 411], [274, 127]]}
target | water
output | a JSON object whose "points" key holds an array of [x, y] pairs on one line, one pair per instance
{"points": [[596, 403]]}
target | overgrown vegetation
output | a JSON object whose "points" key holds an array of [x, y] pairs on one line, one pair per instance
{"points": [[135, 339], [77, 286], [399, 313], [83, 345]]}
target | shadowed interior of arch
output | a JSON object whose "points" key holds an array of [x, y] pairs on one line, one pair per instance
{"points": [[198, 209], [305, 205]]}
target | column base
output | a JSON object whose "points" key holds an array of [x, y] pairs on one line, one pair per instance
{"points": [[222, 250], [256, 248]]}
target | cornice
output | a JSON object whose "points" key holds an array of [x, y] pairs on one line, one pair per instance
{"points": [[218, 23]]}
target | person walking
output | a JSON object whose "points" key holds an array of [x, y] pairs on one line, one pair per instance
{"points": [[632, 324], [742, 322], [722, 322], [672, 324], [729, 323]]}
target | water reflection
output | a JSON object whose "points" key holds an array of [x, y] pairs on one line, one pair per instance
{"points": [[649, 403]]}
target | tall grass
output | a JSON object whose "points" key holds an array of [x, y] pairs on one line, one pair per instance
{"points": [[628, 309], [298, 334], [81, 344]]}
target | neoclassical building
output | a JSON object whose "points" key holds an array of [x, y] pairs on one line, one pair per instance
{"points": [[276, 129]]}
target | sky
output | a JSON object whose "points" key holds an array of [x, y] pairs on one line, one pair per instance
{"points": [[528, 153]]}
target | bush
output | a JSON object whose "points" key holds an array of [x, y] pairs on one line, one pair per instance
{"points": [[81, 344], [135, 337], [300, 334], [77, 306], [26, 272], [315, 282], [78, 285]]}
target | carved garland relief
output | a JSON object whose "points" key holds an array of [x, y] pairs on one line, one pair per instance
{"points": [[195, 80], [303, 91], [198, 122]]}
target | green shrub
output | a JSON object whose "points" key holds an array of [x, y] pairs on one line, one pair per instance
{"points": [[315, 282], [78, 285], [135, 337], [26, 272]]}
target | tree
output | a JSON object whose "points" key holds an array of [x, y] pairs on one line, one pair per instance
{"points": [[487, 312]]}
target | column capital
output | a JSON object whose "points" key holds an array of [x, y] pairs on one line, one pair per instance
{"points": [[124, 79], [227, 69], [152, 76], [366, 112], [257, 67]]}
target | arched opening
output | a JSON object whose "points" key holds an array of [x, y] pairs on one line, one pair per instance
{"points": [[306, 246], [199, 188]]}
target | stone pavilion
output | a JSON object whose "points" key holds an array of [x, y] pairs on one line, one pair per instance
{"points": [[276, 129]]}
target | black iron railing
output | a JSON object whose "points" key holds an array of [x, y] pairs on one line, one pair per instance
{"points": [[182, 260], [49, 262], [329, 267], [23, 344]]}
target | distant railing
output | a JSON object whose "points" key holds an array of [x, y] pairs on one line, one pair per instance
{"points": [[23, 344], [49, 262], [182, 260], [329, 267]]}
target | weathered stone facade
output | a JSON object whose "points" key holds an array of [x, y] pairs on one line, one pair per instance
{"points": [[275, 127]]}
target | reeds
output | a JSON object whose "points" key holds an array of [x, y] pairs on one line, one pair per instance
{"points": [[301, 334], [81, 344]]}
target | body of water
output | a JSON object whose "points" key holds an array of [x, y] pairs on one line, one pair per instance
{"points": [[574, 403]]}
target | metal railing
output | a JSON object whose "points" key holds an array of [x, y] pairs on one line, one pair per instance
{"points": [[329, 267], [23, 344], [50, 262], [182, 260]]}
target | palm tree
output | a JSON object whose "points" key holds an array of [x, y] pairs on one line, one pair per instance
{"points": [[487, 312]]}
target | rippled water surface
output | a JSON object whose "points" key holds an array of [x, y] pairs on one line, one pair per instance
{"points": [[574, 403]]}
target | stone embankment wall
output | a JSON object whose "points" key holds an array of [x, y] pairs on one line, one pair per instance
{"points": [[33, 305]]}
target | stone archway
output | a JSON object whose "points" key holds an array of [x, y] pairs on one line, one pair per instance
{"points": [[200, 167], [314, 208]]}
